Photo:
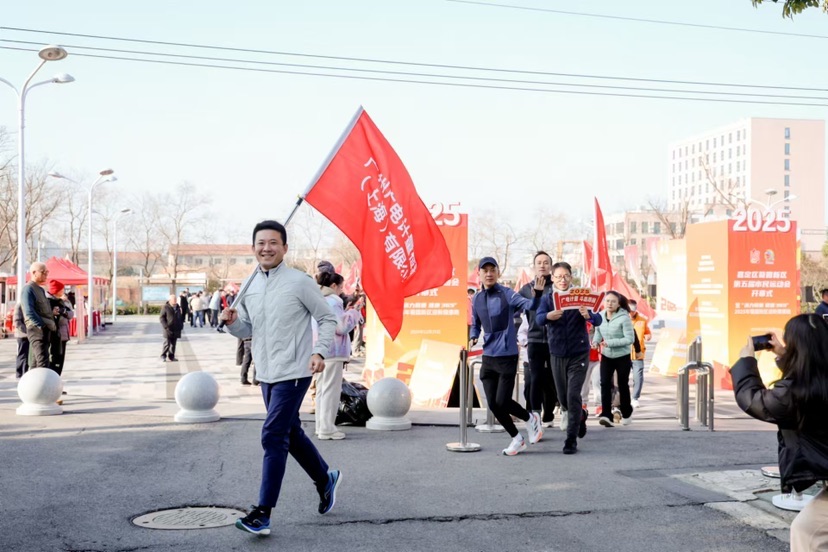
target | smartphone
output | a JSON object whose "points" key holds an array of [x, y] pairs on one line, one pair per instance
{"points": [[762, 342]]}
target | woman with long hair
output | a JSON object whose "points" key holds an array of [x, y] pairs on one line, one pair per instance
{"points": [[329, 381], [617, 335], [797, 404]]}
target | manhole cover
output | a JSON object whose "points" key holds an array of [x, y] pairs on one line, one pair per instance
{"points": [[194, 517]]}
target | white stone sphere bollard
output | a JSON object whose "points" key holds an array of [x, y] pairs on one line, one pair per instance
{"points": [[39, 389], [197, 394], [389, 400]]}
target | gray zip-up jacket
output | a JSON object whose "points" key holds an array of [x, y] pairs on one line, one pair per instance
{"points": [[276, 312]]}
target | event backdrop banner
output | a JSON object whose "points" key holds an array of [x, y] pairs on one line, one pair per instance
{"points": [[434, 321], [742, 280]]}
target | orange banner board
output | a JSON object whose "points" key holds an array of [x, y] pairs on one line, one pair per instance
{"points": [[431, 319], [742, 280]]}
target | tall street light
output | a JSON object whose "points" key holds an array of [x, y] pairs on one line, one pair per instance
{"points": [[48, 53], [105, 176], [115, 261]]}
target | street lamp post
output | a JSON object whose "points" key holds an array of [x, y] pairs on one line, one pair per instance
{"points": [[48, 53], [105, 176], [115, 262]]}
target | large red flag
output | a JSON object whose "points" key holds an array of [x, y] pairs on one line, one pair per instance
{"points": [[365, 190], [586, 277], [601, 274], [350, 283], [622, 287]]}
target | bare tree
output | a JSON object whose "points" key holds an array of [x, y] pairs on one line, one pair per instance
{"points": [[310, 235], [42, 200], [143, 233], [674, 222], [491, 235], [181, 216]]}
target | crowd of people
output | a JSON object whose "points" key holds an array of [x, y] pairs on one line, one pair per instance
{"points": [[561, 348], [41, 323]]}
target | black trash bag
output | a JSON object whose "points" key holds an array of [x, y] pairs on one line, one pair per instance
{"points": [[353, 405]]}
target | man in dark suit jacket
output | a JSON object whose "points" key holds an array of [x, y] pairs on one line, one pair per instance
{"points": [[172, 322]]}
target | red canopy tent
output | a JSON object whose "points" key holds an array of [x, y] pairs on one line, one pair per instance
{"points": [[66, 272]]}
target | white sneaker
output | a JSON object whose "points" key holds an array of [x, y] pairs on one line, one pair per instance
{"points": [[606, 422], [533, 428], [626, 421], [335, 436], [634, 403], [517, 445], [564, 419]]}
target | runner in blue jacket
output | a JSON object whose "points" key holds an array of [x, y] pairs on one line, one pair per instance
{"points": [[493, 310]]}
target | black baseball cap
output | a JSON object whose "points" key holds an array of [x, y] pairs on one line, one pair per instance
{"points": [[487, 261]]}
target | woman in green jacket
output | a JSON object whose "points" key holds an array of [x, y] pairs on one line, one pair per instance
{"points": [[617, 335]]}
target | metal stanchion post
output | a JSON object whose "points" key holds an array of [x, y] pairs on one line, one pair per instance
{"points": [[463, 445], [684, 397], [711, 381], [470, 394]]}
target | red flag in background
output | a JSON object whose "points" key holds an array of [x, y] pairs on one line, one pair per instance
{"points": [[365, 190], [621, 286], [350, 283], [601, 273], [586, 277], [524, 278]]}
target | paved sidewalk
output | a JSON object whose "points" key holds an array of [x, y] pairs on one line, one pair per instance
{"points": [[74, 482]]}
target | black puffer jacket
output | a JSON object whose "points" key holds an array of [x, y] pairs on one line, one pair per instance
{"points": [[803, 445]]}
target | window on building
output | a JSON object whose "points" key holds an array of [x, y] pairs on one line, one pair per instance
{"points": [[787, 133], [714, 156], [619, 228], [787, 194], [673, 227], [674, 155], [787, 148], [644, 227], [633, 241], [619, 244], [730, 153], [730, 138], [656, 228], [707, 144], [633, 227], [787, 164], [787, 181], [693, 149], [232, 260], [248, 261], [198, 261]]}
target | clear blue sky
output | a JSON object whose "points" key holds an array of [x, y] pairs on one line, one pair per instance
{"points": [[252, 140]]}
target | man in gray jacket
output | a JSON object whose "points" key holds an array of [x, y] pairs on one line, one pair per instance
{"points": [[276, 311]]}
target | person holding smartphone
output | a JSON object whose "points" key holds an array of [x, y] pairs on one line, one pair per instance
{"points": [[796, 404]]}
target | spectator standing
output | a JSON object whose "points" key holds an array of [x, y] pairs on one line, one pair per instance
{"points": [[329, 382], [39, 316], [184, 303], [172, 322], [215, 307], [22, 365], [63, 312], [197, 305], [796, 404]]}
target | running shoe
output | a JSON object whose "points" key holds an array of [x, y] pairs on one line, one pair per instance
{"points": [[327, 494], [255, 522], [604, 421], [516, 446], [533, 427]]}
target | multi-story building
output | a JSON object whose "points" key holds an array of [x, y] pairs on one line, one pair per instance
{"points": [[777, 164], [633, 228]]}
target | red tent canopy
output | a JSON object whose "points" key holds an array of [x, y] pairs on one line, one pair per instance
{"points": [[65, 272]]}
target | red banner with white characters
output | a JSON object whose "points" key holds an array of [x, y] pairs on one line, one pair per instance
{"points": [[366, 191], [576, 298]]}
